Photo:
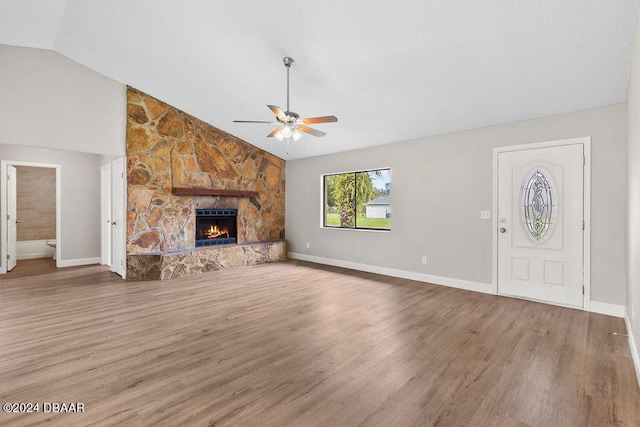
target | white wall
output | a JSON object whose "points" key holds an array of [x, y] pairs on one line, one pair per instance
{"points": [[80, 233], [48, 100], [441, 184], [107, 159], [633, 197]]}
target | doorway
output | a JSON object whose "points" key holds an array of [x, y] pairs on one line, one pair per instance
{"points": [[541, 226], [9, 250]]}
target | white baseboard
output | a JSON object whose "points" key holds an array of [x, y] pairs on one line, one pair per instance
{"points": [[32, 249], [420, 277], [608, 309], [596, 306], [76, 262], [632, 345]]}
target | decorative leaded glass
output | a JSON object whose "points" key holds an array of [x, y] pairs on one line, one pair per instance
{"points": [[538, 208]]}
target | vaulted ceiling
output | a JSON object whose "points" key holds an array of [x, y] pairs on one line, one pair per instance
{"points": [[389, 70]]}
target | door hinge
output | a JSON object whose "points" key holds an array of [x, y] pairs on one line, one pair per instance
{"points": [[583, 290], [584, 160], [8, 256], [8, 217], [583, 225], [122, 175]]}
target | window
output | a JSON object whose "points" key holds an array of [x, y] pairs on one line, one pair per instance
{"points": [[538, 205], [358, 200]]}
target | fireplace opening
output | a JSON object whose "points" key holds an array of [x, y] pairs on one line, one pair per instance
{"points": [[216, 226]]}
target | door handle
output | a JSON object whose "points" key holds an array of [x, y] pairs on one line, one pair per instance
{"points": [[503, 230], [113, 223]]}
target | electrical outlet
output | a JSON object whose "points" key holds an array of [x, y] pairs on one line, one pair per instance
{"points": [[485, 214], [424, 259], [308, 245]]}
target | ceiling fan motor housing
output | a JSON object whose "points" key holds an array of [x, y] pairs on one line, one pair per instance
{"points": [[291, 116]]}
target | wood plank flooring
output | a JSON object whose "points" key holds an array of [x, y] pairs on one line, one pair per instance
{"points": [[296, 343]]}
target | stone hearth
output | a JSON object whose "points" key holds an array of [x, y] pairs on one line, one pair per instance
{"points": [[169, 265]]}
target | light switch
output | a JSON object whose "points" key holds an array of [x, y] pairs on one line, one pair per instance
{"points": [[485, 214]]}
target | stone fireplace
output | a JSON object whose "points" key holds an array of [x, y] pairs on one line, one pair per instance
{"points": [[178, 165]]}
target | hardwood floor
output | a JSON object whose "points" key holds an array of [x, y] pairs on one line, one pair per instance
{"points": [[296, 343]]}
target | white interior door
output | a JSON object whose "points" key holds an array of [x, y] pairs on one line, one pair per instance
{"points": [[105, 214], [541, 224], [12, 219], [118, 218]]}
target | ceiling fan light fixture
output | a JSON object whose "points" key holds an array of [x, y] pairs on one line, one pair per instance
{"points": [[290, 125], [286, 131]]}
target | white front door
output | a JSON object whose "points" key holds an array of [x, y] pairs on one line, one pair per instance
{"points": [[12, 219], [541, 224]]}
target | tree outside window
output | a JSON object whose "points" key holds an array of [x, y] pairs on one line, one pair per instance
{"points": [[358, 200]]}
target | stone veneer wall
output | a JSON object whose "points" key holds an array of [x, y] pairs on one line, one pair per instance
{"points": [[168, 148]]}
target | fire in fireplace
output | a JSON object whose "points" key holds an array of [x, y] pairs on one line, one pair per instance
{"points": [[216, 226]]}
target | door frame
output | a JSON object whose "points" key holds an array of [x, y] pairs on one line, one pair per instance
{"points": [[586, 241], [3, 208]]}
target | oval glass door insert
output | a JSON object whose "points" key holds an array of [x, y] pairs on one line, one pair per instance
{"points": [[538, 205]]}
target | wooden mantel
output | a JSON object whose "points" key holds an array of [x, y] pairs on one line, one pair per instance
{"points": [[180, 191]]}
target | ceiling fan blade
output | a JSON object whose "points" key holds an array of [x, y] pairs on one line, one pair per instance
{"points": [[278, 112], [278, 129], [307, 129], [323, 119], [252, 121]]}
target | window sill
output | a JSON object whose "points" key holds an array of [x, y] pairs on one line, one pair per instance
{"points": [[375, 230]]}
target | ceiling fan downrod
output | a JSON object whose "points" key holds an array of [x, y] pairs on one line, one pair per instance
{"points": [[288, 62]]}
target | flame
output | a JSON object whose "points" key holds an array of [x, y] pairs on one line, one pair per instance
{"points": [[214, 232]]}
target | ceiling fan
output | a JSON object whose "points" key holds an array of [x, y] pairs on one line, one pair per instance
{"points": [[289, 123]]}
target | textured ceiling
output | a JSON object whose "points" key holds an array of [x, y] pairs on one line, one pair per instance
{"points": [[389, 70]]}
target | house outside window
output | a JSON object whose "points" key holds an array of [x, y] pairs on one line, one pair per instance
{"points": [[379, 207]]}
